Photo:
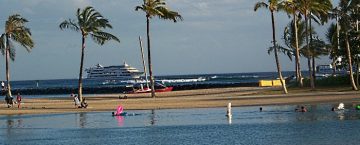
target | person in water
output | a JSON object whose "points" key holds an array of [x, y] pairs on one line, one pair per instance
{"points": [[301, 109]]}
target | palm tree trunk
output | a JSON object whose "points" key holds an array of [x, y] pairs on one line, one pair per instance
{"points": [[149, 57], [350, 63], [314, 68], [309, 70], [334, 67], [308, 49], [276, 55], [81, 68], [312, 55], [357, 73], [7, 51], [297, 54], [357, 60]]}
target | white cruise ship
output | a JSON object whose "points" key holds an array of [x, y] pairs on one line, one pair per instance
{"points": [[118, 72]]}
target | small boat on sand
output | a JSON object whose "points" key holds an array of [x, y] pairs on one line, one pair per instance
{"points": [[144, 88], [141, 88]]}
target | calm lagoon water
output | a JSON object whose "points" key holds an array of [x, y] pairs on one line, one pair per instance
{"points": [[275, 125]]}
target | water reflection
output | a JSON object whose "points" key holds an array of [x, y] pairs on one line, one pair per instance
{"points": [[229, 118], [14, 123], [10, 123], [120, 120], [241, 115], [82, 119], [341, 114], [152, 117]]}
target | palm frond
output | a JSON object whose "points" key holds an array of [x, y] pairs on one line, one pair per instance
{"points": [[167, 14], [69, 24], [137, 8], [102, 37], [14, 21], [158, 8], [2, 44], [23, 37], [16, 31], [260, 5], [89, 21], [284, 50], [331, 34], [12, 51]]}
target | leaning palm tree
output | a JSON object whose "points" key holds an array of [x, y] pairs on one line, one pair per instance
{"points": [[15, 30], [291, 8], [155, 8], [89, 22], [273, 6], [346, 9]]}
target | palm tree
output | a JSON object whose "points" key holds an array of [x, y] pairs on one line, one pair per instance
{"points": [[294, 39], [317, 48], [346, 8], [273, 6], [15, 30], [309, 8], [89, 22], [155, 8], [333, 45], [290, 8]]}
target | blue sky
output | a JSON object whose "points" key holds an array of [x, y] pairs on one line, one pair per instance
{"points": [[224, 36]]}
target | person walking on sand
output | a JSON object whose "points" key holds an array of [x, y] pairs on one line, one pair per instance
{"points": [[18, 99]]}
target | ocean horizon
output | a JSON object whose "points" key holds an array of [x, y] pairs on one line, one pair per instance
{"points": [[216, 78]]}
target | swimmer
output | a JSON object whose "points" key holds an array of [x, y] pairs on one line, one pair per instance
{"points": [[341, 106], [333, 109], [302, 109]]}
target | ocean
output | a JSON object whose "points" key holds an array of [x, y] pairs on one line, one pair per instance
{"points": [[62, 87], [169, 80]]}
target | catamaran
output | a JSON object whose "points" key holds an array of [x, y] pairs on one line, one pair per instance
{"points": [[144, 87]]}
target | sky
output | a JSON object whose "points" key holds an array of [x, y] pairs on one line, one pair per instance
{"points": [[216, 36]]}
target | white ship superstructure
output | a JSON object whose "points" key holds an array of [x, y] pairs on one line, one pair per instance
{"points": [[122, 72]]}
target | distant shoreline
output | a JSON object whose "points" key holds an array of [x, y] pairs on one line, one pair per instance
{"points": [[122, 89], [201, 98]]}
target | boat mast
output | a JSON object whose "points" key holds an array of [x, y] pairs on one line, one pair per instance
{"points": [[143, 61]]}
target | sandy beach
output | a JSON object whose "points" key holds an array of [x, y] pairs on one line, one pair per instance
{"points": [[204, 98]]}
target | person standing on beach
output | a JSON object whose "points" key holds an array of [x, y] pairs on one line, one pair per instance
{"points": [[18, 99], [3, 91], [74, 97], [2, 85], [77, 101]]}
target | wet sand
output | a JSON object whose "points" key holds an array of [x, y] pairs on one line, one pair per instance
{"points": [[204, 98]]}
